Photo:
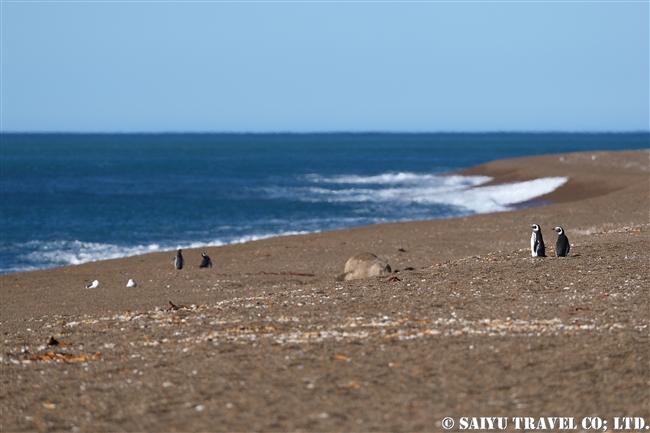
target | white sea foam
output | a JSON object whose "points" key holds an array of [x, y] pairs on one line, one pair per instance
{"points": [[499, 198], [462, 192], [401, 178], [58, 253], [246, 238], [396, 178], [63, 253]]}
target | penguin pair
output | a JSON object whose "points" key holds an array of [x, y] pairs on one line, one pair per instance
{"points": [[562, 246], [179, 261]]}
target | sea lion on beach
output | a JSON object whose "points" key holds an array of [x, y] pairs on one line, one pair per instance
{"points": [[364, 265]]}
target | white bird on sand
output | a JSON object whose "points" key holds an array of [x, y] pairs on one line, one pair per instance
{"points": [[93, 285], [131, 283]]}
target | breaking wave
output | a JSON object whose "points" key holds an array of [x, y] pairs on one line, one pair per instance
{"points": [[44, 254], [461, 192], [359, 200]]}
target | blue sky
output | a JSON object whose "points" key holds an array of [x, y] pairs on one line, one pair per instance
{"points": [[325, 66]]}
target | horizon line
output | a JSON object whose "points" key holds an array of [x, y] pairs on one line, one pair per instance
{"points": [[334, 132]]}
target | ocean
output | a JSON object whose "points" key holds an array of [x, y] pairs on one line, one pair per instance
{"points": [[72, 198]]}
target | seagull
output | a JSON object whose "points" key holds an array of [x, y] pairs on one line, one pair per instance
{"points": [[93, 285], [131, 283]]}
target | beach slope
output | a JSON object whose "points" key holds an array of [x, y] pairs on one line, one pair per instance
{"points": [[268, 339]]}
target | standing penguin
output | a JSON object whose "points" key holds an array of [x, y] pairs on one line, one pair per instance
{"points": [[178, 260], [536, 242], [562, 246], [206, 263]]}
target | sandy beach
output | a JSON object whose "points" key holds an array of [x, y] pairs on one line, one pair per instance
{"points": [[269, 340]]}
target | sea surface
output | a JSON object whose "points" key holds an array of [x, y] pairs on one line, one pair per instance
{"points": [[72, 198]]}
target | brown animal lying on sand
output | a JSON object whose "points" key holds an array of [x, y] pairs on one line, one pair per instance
{"points": [[364, 265]]}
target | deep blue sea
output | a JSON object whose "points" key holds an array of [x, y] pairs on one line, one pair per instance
{"points": [[72, 198]]}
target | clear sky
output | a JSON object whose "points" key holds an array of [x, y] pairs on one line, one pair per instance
{"points": [[146, 66]]}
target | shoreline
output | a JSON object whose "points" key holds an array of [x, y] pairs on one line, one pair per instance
{"points": [[269, 340], [500, 171], [606, 190]]}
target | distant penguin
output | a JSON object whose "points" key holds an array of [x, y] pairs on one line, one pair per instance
{"points": [[131, 283], [206, 263], [93, 285], [178, 260], [562, 246], [536, 242]]}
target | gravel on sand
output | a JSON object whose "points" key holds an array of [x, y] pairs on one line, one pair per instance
{"points": [[268, 339]]}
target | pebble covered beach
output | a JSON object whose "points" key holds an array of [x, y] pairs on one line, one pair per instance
{"points": [[467, 325]]}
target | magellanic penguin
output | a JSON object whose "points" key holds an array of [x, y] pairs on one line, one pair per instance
{"points": [[562, 246], [206, 263], [536, 242], [178, 260], [93, 285]]}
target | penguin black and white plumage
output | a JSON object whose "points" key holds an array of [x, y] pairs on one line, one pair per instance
{"points": [[562, 246], [206, 263], [178, 260], [537, 242], [93, 285]]}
